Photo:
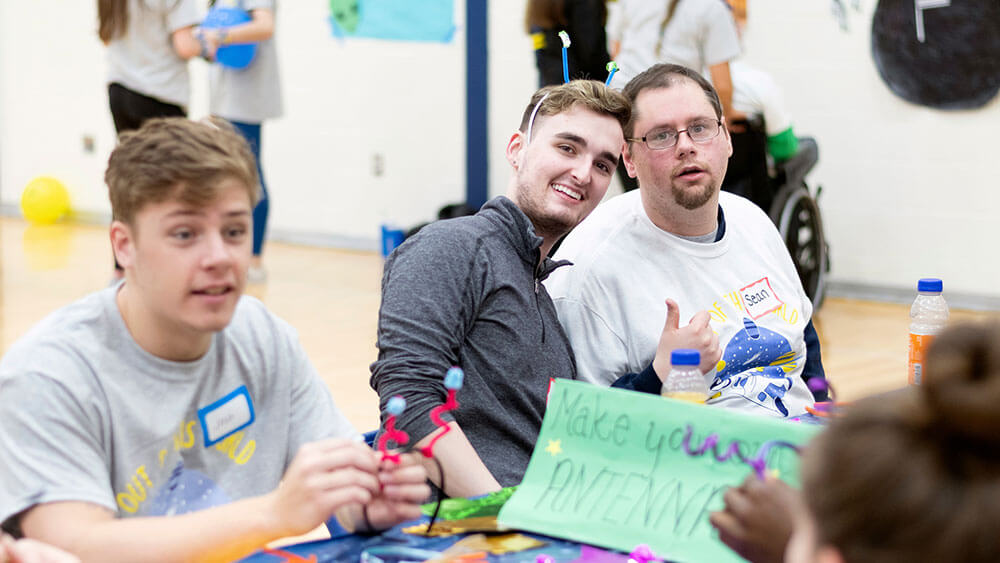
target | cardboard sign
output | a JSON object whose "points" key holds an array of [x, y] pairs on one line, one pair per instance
{"points": [[610, 469]]}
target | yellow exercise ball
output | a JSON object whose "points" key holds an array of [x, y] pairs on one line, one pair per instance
{"points": [[45, 200]]}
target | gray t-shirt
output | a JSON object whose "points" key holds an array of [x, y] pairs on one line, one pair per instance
{"points": [[251, 94], [143, 60], [90, 416]]}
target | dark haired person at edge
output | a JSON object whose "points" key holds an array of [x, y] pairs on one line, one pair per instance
{"points": [[911, 475]]}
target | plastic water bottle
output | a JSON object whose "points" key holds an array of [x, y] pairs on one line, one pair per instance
{"points": [[928, 316], [685, 381]]}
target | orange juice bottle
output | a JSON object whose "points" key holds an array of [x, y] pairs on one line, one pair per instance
{"points": [[928, 316]]}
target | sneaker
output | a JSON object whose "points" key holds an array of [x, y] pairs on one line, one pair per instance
{"points": [[256, 275]]}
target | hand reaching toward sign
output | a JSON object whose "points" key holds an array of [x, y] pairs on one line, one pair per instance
{"points": [[756, 521], [697, 335]]}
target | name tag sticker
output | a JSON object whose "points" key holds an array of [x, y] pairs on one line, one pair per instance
{"points": [[759, 298], [226, 416]]}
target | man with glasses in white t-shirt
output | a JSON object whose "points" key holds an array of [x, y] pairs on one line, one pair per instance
{"points": [[678, 247]]}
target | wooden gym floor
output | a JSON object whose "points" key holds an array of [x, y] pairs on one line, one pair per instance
{"points": [[332, 298]]}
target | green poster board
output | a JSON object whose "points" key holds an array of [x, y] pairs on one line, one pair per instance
{"points": [[610, 469]]}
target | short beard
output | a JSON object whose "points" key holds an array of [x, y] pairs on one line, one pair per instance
{"points": [[692, 201], [545, 225]]}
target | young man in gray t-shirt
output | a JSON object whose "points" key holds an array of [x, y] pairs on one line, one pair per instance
{"points": [[154, 420]]}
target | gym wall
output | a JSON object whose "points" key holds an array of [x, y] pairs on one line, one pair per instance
{"points": [[374, 131]]}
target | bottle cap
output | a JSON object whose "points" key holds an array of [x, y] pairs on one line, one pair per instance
{"points": [[930, 284], [685, 357]]}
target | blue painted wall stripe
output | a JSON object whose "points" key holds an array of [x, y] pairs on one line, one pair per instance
{"points": [[476, 103]]}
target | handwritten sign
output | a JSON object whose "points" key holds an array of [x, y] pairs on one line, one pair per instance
{"points": [[610, 469]]}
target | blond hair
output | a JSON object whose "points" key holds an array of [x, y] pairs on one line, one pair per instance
{"points": [[591, 94]]}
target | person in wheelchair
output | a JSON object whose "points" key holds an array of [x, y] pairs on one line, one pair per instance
{"points": [[677, 246]]}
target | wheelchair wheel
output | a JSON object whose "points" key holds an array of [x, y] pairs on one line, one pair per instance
{"points": [[801, 228]]}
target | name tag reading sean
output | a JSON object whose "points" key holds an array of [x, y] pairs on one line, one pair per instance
{"points": [[229, 414], [759, 298]]}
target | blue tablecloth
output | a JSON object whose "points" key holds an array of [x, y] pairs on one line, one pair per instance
{"points": [[348, 547]]}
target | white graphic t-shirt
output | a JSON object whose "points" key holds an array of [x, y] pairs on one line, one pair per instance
{"points": [[611, 301]]}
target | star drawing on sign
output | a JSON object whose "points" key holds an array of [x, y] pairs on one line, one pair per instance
{"points": [[554, 447]]}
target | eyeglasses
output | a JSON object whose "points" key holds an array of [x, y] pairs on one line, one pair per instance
{"points": [[701, 131]]}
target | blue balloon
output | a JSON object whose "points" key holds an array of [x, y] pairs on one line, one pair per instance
{"points": [[235, 55]]}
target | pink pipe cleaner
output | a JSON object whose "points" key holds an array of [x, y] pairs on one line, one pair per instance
{"points": [[395, 407], [453, 382], [643, 554]]}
